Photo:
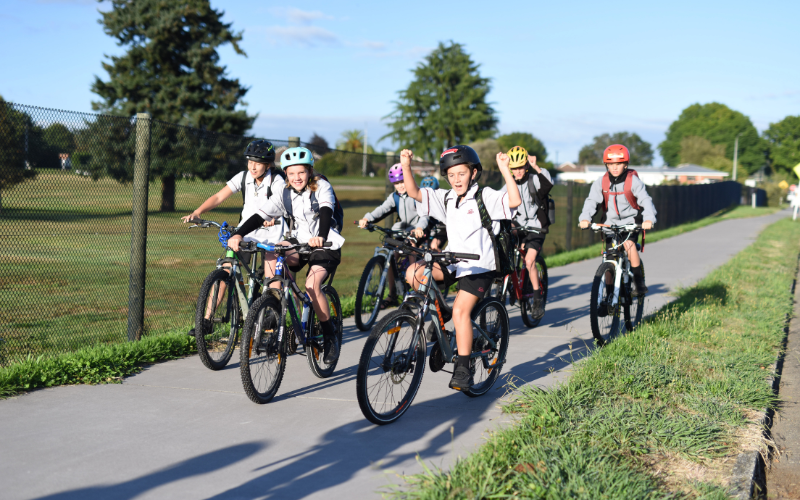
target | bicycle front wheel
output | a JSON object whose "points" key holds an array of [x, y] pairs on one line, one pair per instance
{"points": [[262, 357], [217, 319], [314, 348], [492, 317], [604, 318], [636, 308], [390, 369], [368, 296]]}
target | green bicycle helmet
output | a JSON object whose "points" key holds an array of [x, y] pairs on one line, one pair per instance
{"points": [[296, 156]]}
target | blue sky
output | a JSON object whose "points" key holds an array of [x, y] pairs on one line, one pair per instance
{"points": [[564, 71]]}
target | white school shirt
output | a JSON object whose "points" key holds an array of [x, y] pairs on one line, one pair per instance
{"points": [[465, 232], [306, 220], [254, 194]]}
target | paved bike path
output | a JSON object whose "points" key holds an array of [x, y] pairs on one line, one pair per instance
{"points": [[178, 430]]}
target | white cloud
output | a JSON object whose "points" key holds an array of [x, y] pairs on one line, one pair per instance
{"points": [[298, 16], [307, 36]]}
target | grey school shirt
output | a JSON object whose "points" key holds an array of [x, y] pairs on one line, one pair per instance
{"points": [[408, 213], [626, 213], [526, 211]]}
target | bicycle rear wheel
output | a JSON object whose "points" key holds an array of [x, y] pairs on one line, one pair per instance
{"points": [[314, 349], [390, 368], [368, 297], [605, 320], [636, 308], [492, 317], [526, 304], [217, 319], [262, 357]]}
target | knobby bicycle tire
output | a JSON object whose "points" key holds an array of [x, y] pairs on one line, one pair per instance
{"points": [[365, 316], [384, 391], [526, 305], [215, 346], [314, 349], [492, 317], [636, 309], [605, 323], [263, 363]]}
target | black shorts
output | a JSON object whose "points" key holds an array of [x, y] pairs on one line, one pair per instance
{"points": [[534, 241], [634, 238], [476, 284], [325, 258]]}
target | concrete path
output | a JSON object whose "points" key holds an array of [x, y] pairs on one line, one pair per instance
{"points": [[178, 430]]}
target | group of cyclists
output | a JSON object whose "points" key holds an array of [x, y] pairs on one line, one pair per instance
{"points": [[293, 204]]}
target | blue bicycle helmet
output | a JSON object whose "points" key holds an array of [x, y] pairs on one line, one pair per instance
{"points": [[296, 156], [429, 182]]}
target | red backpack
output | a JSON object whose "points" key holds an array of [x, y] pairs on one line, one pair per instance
{"points": [[626, 190]]}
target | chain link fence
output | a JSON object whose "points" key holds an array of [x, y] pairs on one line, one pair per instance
{"points": [[68, 190]]}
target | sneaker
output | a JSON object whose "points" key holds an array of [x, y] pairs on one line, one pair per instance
{"points": [[388, 302], [537, 311], [639, 288], [602, 308], [461, 380], [330, 350], [207, 324]]}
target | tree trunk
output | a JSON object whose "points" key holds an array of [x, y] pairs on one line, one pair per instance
{"points": [[168, 193]]}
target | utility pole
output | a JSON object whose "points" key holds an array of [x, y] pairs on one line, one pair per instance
{"points": [[735, 154], [364, 162]]}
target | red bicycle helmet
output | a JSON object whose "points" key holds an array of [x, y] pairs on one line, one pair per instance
{"points": [[616, 153]]}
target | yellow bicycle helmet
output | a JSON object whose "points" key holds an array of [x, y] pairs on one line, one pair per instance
{"points": [[518, 156]]}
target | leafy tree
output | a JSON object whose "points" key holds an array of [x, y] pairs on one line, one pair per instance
{"points": [[320, 145], [444, 105], [171, 70], [720, 125], [783, 139], [700, 151], [640, 150], [353, 141], [12, 147], [59, 139]]}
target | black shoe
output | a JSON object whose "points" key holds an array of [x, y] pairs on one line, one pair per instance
{"points": [[207, 326], [639, 288], [388, 302], [330, 350], [537, 311], [462, 379], [602, 308]]}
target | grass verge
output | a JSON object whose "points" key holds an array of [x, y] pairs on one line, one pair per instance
{"points": [[590, 252], [658, 413], [99, 364]]}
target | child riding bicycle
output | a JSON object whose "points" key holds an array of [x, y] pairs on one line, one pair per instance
{"points": [[460, 210], [258, 182], [626, 193], [532, 212], [311, 221], [410, 220]]}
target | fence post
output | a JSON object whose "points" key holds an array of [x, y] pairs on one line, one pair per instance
{"points": [[570, 222], [138, 267], [390, 160], [294, 142]]}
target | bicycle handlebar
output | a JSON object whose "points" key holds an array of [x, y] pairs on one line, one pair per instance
{"points": [[538, 230], [625, 227], [448, 256], [285, 248], [202, 223]]}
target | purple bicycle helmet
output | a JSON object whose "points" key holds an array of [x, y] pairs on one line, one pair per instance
{"points": [[396, 173]]}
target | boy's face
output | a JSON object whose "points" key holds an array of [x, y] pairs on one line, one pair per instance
{"points": [[519, 173], [459, 177], [616, 169], [297, 175], [400, 187], [256, 169]]}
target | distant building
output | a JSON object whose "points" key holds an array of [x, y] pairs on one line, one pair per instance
{"points": [[652, 176]]}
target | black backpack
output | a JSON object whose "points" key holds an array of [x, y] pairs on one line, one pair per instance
{"points": [[338, 212], [503, 243], [551, 205]]}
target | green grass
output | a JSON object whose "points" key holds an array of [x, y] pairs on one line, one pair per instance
{"points": [[99, 364], [657, 413]]}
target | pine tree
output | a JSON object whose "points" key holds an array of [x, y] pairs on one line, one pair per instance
{"points": [[171, 69], [445, 105]]}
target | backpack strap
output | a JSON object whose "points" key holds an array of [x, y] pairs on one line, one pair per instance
{"points": [[626, 190], [446, 199], [486, 222], [244, 191], [396, 197], [287, 207]]}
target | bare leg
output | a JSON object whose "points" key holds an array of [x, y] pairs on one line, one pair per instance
{"points": [[316, 276], [530, 263], [633, 254], [415, 274], [462, 309]]}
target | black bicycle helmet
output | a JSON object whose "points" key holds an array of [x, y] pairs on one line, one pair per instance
{"points": [[460, 155], [260, 151]]}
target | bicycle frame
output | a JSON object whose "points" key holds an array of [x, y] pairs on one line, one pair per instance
{"points": [[621, 263], [388, 254], [245, 298]]}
